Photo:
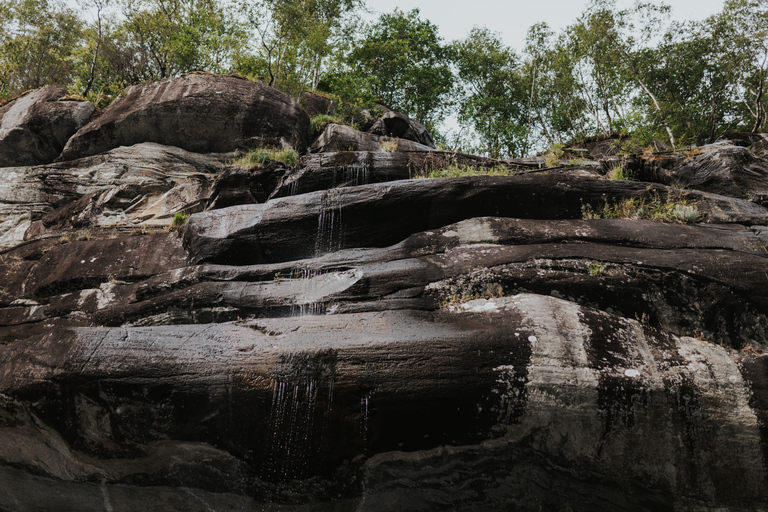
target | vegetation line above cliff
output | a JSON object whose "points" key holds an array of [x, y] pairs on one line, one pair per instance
{"points": [[611, 71]]}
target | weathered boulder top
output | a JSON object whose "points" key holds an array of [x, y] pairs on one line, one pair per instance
{"points": [[35, 127], [340, 137], [198, 112], [395, 124]]}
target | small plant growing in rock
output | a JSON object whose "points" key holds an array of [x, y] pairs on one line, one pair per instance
{"points": [[686, 213], [596, 268], [318, 123], [258, 158], [619, 173], [179, 219], [554, 155], [654, 208], [459, 171], [388, 146]]}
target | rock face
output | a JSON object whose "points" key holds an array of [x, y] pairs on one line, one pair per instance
{"points": [[341, 336], [35, 127], [339, 137], [197, 112], [395, 124], [135, 187]]}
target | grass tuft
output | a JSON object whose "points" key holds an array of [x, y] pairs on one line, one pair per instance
{"points": [[654, 208], [462, 171], [262, 157], [388, 146], [318, 123]]}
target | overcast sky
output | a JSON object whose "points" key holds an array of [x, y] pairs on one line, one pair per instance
{"points": [[512, 18]]}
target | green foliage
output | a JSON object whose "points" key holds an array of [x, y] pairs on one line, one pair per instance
{"points": [[655, 208], [493, 97], [554, 155], [169, 37], [179, 219], [294, 38], [318, 123], [401, 60], [38, 40], [460, 171], [388, 146], [596, 268], [262, 157], [619, 173]]}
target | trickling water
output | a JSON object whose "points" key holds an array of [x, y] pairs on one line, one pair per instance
{"points": [[364, 410], [292, 421], [295, 187], [357, 174], [306, 276], [329, 225]]}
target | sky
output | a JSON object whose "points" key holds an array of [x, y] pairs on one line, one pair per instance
{"points": [[511, 18]]}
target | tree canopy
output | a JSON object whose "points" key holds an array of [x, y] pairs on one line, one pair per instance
{"points": [[611, 71]]}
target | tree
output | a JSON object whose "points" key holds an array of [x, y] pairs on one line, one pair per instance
{"points": [[39, 37], [493, 97], [294, 37], [404, 63], [554, 106], [168, 37]]}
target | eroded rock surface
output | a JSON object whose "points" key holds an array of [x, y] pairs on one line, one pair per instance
{"points": [[35, 127], [340, 137], [395, 124], [341, 336], [197, 112]]}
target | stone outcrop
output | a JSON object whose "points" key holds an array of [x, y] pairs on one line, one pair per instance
{"points": [[197, 112], [395, 124], [340, 137], [35, 127], [135, 187], [339, 335]]}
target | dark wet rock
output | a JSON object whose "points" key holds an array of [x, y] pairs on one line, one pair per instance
{"points": [[315, 104], [378, 215], [395, 124], [322, 171], [340, 137], [239, 185], [488, 387], [197, 112], [35, 127], [340, 336]]}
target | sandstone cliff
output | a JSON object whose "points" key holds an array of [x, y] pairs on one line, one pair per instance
{"points": [[340, 335]]}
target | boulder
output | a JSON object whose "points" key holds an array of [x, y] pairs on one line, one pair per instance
{"points": [[721, 168], [340, 137], [315, 104], [138, 186], [340, 336], [395, 124], [35, 127], [197, 112]]}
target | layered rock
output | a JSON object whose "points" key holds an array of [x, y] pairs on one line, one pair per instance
{"points": [[340, 137], [340, 336], [135, 187], [35, 127]]}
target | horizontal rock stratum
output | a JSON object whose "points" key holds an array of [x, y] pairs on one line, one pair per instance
{"points": [[182, 333]]}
